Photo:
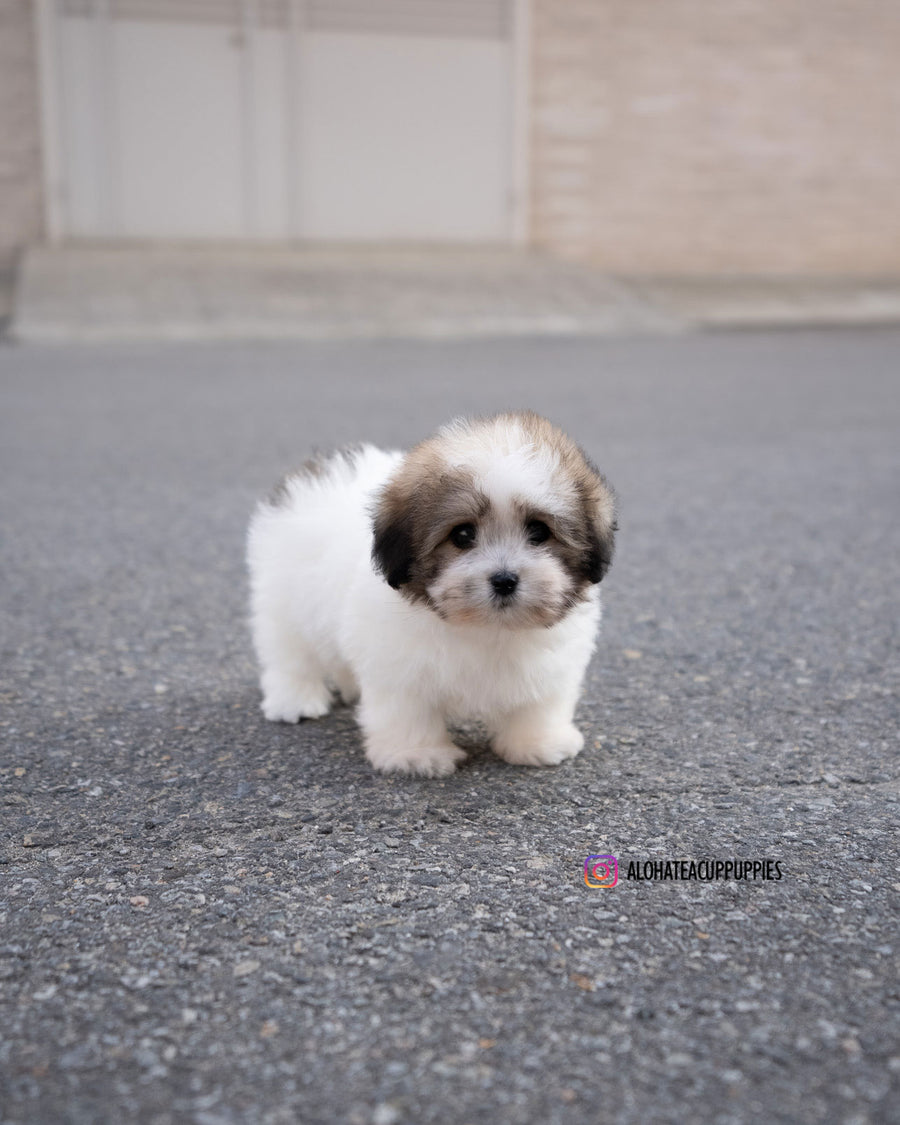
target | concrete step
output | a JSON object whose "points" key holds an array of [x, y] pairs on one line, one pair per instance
{"points": [[129, 292], [105, 293]]}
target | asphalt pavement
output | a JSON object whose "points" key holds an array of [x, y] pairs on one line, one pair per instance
{"points": [[210, 919]]}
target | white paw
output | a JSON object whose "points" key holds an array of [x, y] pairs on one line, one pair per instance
{"points": [[425, 761], [548, 748], [291, 703]]}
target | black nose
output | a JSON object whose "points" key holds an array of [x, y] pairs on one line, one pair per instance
{"points": [[504, 582]]}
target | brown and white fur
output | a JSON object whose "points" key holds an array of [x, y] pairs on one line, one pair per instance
{"points": [[452, 583]]}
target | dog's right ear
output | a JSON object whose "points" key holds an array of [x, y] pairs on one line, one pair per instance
{"points": [[392, 547]]}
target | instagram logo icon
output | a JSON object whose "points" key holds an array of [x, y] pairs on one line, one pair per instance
{"points": [[601, 871]]}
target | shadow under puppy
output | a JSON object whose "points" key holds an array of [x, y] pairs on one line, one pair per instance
{"points": [[458, 581]]}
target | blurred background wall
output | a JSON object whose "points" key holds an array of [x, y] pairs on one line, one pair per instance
{"points": [[21, 187], [647, 137], [711, 136]]}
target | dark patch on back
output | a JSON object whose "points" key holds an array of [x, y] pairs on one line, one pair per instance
{"points": [[313, 468]]}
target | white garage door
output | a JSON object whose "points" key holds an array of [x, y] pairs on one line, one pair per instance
{"points": [[274, 119]]}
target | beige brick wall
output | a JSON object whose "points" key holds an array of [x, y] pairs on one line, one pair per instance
{"points": [[20, 161], [669, 136], [718, 136]]}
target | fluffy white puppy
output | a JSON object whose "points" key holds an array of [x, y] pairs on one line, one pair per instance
{"points": [[455, 582]]}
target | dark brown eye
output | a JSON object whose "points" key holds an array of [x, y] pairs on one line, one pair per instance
{"points": [[537, 532], [463, 536]]}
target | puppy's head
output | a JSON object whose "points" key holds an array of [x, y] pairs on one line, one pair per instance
{"points": [[501, 520]]}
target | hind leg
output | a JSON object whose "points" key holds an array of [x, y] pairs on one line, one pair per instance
{"points": [[292, 680]]}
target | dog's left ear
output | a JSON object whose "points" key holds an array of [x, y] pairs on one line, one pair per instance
{"points": [[392, 546], [599, 553], [600, 524]]}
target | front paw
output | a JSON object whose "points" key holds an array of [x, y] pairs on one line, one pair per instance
{"points": [[425, 761], [540, 748]]}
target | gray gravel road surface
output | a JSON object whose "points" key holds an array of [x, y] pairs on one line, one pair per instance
{"points": [[210, 919]]}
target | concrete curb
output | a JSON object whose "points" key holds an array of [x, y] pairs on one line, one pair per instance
{"points": [[732, 302], [105, 293]]}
